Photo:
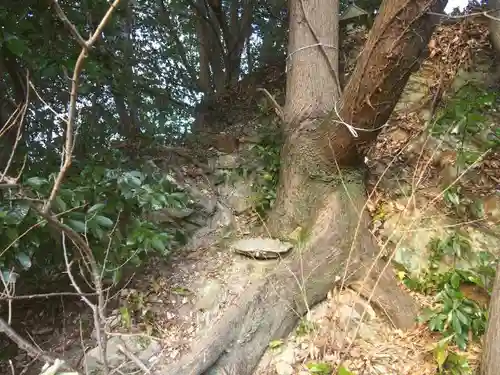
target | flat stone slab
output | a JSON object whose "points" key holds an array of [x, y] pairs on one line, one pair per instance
{"points": [[261, 248]]}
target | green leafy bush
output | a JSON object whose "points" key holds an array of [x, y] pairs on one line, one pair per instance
{"points": [[450, 362], [466, 114], [108, 206], [456, 316]]}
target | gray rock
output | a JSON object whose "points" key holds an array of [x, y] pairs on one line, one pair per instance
{"points": [[209, 295], [143, 348], [204, 200], [222, 218], [208, 203], [261, 248], [198, 219], [288, 356], [202, 238], [348, 315], [283, 368], [237, 195], [179, 213], [169, 215], [228, 161]]}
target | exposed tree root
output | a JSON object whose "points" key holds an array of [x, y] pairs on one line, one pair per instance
{"points": [[271, 306]]}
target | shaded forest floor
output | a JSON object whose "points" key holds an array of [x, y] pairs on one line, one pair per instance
{"points": [[422, 224]]}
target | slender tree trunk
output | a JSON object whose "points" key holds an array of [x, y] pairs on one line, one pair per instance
{"points": [[241, 31], [204, 82], [216, 55], [490, 362], [132, 99]]}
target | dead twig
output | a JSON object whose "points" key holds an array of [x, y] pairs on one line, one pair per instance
{"points": [[134, 359], [69, 25], [469, 15], [277, 108], [46, 295], [19, 129]]}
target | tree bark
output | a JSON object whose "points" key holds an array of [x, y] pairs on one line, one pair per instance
{"points": [[490, 362], [319, 144], [322, 184], [494, 25], [204, 81]]}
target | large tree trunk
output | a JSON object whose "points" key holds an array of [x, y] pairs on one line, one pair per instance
{"points": [[320, 153], [312, 194], [490, 362], [494, 25]]}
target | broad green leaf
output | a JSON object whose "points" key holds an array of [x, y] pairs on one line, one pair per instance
{"points": [[24, 260], [181, 291], [319, 368], [104, 221], [78, 226], [95, 208], [17, 214], [117, 275], [98, 232], [461, 341], [9, 276], [455, 280], [12, 235], [461, 316], [36, 181], [17, 46], [60, 204], [158, 244], [344, 371], [453, 197], [455, 322], [136, 174], [275, 344], [134, 181], [178, 196], [125, 316], [440, 355]]}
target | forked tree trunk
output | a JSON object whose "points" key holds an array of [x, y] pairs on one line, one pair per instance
{"points": [[312, 194], [490, 362], [320, 154]]}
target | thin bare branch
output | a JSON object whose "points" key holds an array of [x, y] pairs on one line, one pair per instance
{"points": [[62, 16], [19, 128], [45, 295], [462, 16], [134, 359], [57, 115], [68, 147], [277, 107]]}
